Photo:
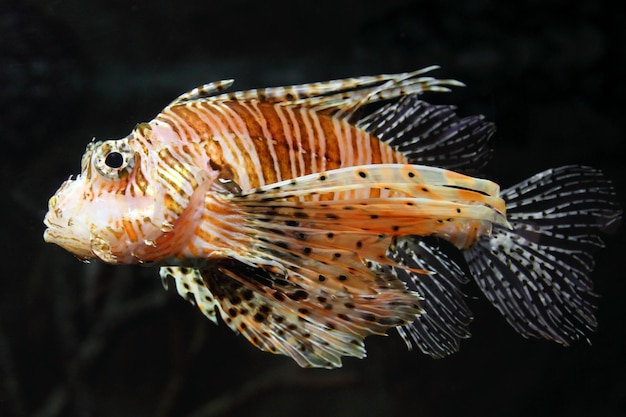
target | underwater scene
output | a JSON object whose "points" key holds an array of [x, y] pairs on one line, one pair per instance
{"points": [[348, 208]]}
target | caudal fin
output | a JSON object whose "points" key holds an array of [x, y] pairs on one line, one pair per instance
{"points": [[537, 274]]}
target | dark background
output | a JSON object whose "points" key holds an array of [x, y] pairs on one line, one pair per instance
{"points": [[94, 340]]}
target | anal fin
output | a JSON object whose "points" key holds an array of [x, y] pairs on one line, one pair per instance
{"points": [[446, 317]]}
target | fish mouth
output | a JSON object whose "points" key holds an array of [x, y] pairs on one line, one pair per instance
{"points": [[54, 234], [58, 231], [49, 235]]}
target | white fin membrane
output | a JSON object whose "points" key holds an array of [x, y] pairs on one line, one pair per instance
{"points": [[538, 274]]}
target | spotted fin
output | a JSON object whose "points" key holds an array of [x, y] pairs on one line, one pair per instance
{"points": [[432, 134], [312, 262], [191, 287], [290, 312], [316, 327], [537, 274], [419, 200]]}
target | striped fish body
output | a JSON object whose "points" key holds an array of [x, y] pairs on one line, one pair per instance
{"points": [[269, 143], [253, 144], [308, 217]]}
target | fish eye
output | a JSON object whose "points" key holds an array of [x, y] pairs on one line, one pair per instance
{"points": [[114, 159]]}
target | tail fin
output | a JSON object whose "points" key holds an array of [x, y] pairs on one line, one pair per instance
{"points": [[538, 273]]}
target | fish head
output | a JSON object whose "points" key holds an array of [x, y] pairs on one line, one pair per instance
{"points": [[125, 205]]}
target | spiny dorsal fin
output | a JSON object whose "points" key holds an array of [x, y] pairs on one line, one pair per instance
{"points": [[342, 97], [202, 92]]}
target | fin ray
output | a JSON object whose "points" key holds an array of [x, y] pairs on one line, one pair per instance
{"points": [[296, 316], [202, 92], [432, 134], [190, 286], [537, 274], [446, 317], [342, 97], [438, 202]]}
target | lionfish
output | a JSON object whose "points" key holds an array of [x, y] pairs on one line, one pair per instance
{"points": [[311, 216]]}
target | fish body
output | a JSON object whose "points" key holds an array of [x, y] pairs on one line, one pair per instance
{"points": [[309, 217]]}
